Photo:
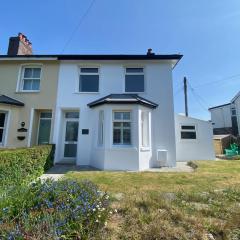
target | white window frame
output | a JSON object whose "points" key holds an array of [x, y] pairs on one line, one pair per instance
{"points": [[121, 121], [136, 73], [188, 130], [21, 77], [142, 129], [101, 128], [79, 76], [44, 118], [5, 128]]}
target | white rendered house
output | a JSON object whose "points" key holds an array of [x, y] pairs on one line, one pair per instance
{"points": [[115, 111]]}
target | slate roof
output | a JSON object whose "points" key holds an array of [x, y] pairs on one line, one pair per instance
{"points": [[10, 101], [123, 99]]}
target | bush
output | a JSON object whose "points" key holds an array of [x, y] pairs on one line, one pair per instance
{"points": [[18, 166], [54, 210]]}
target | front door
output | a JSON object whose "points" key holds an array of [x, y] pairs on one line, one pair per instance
{"points": [[44, 129], [71, 121]]}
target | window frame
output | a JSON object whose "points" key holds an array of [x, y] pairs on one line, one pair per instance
{"points": [[188, 130], [148, 129], [135, 73], [101, 128], [21, 78], [122, 128], [5, 128], [79, 78]]}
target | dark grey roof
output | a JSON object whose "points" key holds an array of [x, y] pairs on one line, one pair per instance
{"points": [[223, 105], [123, 99], [7, 100], [101, 56]]}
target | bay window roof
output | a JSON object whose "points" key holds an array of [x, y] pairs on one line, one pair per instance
{"points": [[7, 100], [123, 99]]}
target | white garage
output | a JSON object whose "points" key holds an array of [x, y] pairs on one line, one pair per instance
{"points": [[194, 139]]}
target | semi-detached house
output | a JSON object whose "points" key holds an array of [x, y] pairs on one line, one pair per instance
{"points": [[107, 111]]}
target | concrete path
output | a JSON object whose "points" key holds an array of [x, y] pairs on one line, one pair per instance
{"points": [[58, 171]]}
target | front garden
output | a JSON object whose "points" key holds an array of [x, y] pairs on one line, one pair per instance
{"points": [[31, 209]]}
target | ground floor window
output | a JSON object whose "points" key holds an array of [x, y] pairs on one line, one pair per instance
{"points": [[44, 130], [145, 128], [101, 128], [188, 132], [122, 127], [3, 119]]}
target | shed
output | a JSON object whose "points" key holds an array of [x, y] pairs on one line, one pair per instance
{"points": [[221, 142]]}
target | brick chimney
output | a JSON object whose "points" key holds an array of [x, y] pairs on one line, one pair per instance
{"points": [[19, 45]]}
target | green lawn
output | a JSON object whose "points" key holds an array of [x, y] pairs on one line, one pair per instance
{"points": [[173, 205]]}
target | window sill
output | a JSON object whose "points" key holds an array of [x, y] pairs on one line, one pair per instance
{"points": [[86, 92], [24, 91], [145, 149], [123, 147]]}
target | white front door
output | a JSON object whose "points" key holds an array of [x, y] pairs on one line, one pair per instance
{"points": [[70, 136]]}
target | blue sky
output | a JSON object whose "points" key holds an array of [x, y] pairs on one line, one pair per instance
{"points": [[206, 32]]}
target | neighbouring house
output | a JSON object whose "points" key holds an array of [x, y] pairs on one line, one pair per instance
{"points": [[226, 118], [28, 88], [112, 112]]}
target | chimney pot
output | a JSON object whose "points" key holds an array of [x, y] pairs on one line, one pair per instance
{"points": [[149, 52]]}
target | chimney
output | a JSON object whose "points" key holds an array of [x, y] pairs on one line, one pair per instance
{"points": [[149, 52], [19, 45]]}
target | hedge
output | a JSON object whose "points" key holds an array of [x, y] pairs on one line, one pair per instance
{"points": [[20, 166]]}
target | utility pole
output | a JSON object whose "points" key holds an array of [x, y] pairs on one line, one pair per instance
{"points": [[185, 96]]}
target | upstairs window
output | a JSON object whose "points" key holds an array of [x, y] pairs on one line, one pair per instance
{"points": [[234, 112], [89, 80], [134, 80], [30, 79], [122, 128], [188, 132]]}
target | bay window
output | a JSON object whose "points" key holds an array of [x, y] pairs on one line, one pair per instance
{"points": [[121, 127]]}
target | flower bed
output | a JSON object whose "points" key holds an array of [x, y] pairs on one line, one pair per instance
{"points": [[54, 210]]}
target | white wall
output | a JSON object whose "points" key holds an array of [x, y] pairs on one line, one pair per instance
{"points": [[221, 117], [194, 149], [158, 88], [237, 106]]}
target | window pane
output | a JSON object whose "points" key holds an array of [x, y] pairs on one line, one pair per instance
{"points": [[27, 72], [89, 70], [188, 135], [116, 136], [126, 124], [44, 131], [27, 84], [126, 115], [126, 136], [35, 84], [134, 70], [71, 131], [88, 83], [1, 135], [72, 115], [2, 119], [117, 124], [70, 150], [134, 83], [45, 115], [117, 115], [188, 127], [36, 72]]}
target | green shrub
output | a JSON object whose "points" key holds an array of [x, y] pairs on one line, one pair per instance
{"points": [[54, 210], [18, 166]]}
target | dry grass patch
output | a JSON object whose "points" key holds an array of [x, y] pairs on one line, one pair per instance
{"points": [[173, 206]]}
